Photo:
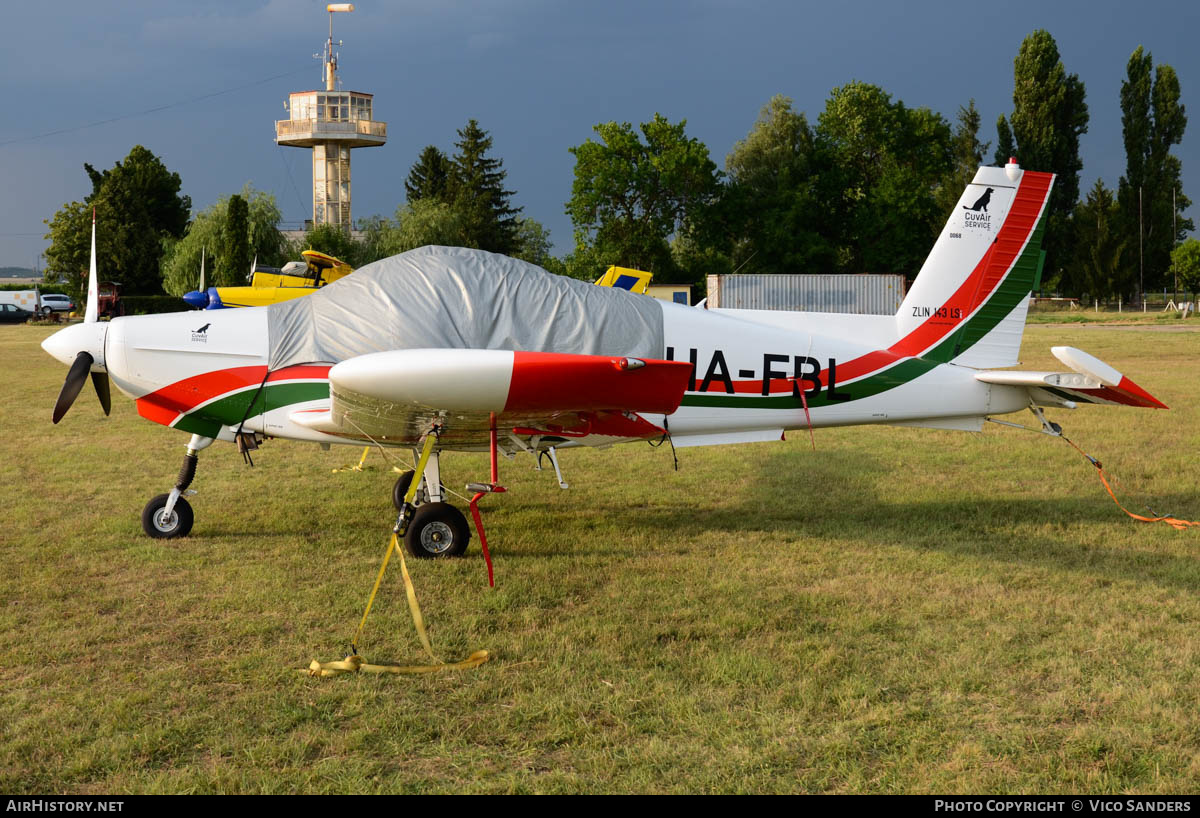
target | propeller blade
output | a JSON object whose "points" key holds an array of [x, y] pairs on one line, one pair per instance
{"points": [[75, 377], [100, 381]]}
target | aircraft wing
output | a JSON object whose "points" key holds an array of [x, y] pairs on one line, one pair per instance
{"points": [[396, 397]]}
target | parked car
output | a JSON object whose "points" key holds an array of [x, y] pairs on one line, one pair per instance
{"points": [[12, 314], [53, 302]]}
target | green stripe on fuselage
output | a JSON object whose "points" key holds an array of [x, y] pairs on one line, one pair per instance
{"points": [[231, 409], [890, 378]]}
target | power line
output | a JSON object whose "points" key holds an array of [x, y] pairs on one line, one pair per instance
{"points": [[287, 166], [153, 110]]}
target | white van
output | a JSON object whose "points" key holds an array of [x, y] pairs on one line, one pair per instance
{"points": [[25, 299]]}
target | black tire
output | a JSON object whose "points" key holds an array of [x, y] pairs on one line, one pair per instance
{"points": [[437, 530], [179, 524], [401, 487], [46, 311]]}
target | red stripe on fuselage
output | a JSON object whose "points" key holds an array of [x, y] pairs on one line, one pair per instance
{"points": [[166, 404]]}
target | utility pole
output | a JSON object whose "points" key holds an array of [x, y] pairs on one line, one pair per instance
{"points": [[1174, 238], [1141, 261]]}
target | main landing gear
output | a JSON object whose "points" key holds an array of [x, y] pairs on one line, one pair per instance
{"points": [[435, 528], [169, 515]]}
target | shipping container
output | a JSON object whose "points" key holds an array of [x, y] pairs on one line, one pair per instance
{"points": [[866, 294]]}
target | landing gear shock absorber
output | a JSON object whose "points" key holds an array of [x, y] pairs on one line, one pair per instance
{"points": [[168, 516]]}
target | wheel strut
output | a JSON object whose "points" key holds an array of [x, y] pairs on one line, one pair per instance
{"points": [[169, 515]]}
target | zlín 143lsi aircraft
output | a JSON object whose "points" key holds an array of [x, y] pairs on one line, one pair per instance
{"points": [[448, 349]]}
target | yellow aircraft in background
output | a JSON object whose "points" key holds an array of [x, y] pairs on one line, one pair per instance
{"points": [[624, 278], [270, 285]]}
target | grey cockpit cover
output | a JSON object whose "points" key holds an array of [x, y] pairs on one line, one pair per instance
{"points": [[451, 297]]}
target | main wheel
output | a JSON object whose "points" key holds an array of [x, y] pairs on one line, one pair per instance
{"points": [[163, 526], [46, 311], [437, 530]]}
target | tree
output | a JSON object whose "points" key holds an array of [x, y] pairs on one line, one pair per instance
{"points": [[429, 177], [1186, 259], [1095, 269], [428, 221], [1005, 147], [1150, 193], [137, 207], [533, 243], [888, 162], [333, 241], [1049, 115], [181, 258], [233, 255], [630, 196], [489, 221], [158, 189], [967, 155], [772, 204]]}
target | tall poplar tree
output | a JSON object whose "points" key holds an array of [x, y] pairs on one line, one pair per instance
{"points": [[233, 258], [1049, 115], [1152, 121]]}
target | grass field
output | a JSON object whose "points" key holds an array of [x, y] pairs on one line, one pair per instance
{"points": [[901, 611]]}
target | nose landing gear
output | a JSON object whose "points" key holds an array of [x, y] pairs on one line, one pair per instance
{"points": [[168, 516]]}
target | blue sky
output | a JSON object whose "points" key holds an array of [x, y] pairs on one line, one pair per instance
{"points": [[537, 74]]}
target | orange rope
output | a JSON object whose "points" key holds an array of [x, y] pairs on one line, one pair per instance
{"points": [[1174, 522]]}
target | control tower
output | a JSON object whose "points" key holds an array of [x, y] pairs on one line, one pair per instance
{"points": [[331, 122]]}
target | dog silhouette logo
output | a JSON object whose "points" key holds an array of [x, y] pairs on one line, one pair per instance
{"points": [[202, 330], [981, 203]]}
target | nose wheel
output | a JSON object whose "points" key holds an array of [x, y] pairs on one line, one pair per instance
{"points": [[168, 516], [162, 523]]}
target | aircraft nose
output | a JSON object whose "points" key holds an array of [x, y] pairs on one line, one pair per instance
{"points": [[66, 344], [197, 299]]}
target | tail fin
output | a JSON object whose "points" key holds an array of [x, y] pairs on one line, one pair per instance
{"points": [[968, 303]]}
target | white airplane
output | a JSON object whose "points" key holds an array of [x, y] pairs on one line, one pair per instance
{"points": [[447, 349]]}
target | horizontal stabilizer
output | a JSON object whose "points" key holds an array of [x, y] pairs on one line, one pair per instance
{"points": [[1092, 381]]}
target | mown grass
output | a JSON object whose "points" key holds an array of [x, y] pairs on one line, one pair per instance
{"points": [[1054, 314], [901, 611]]}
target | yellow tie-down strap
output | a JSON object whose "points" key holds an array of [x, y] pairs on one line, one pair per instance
{"points": [[361, 461], [354, 663]]}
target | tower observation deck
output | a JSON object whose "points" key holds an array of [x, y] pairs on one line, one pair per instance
{"points": [[331, 123]]}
